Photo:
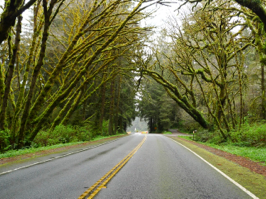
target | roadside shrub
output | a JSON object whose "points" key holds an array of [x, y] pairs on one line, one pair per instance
{"points": [[250, 135], [247, 136], [242, 144], [83, 133], [34, 145], [41, 139], [216, 138], [203, 136], [166, 132], [62, 134], [188, 127], [105, 128], [208, 136], [4, 140], [51, 142]]}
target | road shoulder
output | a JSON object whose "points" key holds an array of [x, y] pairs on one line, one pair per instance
{"points": [[21, 160], [254, 182]]}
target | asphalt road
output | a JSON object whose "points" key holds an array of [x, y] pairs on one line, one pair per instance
{"points": [[159, 169]]}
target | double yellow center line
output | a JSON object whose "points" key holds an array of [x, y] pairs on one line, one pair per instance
{"points": [[94, 189]]}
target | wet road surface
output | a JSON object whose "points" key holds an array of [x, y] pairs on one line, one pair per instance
{"points": [[160, 168]]}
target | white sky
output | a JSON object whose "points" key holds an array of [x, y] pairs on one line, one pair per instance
{"points": [[160, 17], [162, 13], [158, 20]]}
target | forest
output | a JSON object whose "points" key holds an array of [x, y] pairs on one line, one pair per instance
{"points": [[72, 70], [206, 73]]}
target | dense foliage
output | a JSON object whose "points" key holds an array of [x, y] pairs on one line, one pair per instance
{"points": [[212, 65], [69, 65], [72, 71], [157, 108]]}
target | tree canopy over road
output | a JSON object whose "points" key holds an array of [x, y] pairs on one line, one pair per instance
{"points": [[212, 64], [80, 63]]}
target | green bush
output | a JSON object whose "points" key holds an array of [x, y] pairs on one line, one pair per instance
{"points": [[82, 134], [62, 134], [51, 142], [41, 139], [250, 135], [242, 144], [4, 140], [105, 126], [203, 135], [185, 127], [167, 132], [215, 137], [66, 134]]}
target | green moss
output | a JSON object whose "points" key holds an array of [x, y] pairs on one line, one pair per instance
{"points": [[263, 60]]}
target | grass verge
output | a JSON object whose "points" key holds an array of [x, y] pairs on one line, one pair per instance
{"points": [[167, 132], [253, 182], [14, 153], [253, 153]]}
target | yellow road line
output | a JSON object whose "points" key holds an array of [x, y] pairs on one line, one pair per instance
{"points": [[109, 175]]}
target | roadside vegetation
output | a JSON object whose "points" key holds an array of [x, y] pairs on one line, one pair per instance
{"points": [[249, 142], [249, 135], [72, 72], [66, 73], [38, 148], [207, 73], [167, 132]]}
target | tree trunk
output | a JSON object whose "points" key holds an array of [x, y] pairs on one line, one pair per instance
{"points": [[192, 111], [257, 7], [117, 104], [102, 107], [26, 113], [263, 102], [111, 112], [12, 10], [9, 76]]}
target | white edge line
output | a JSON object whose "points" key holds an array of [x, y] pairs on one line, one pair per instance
{"points": [[50, 159], [219, 171]]}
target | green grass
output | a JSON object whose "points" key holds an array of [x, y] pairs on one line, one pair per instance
{"points": [[253, 153], [13, 153], [99, 137], [167, 132]]}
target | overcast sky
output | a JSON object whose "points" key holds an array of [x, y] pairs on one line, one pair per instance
{"points": [[162, 13], [158, 19]]}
